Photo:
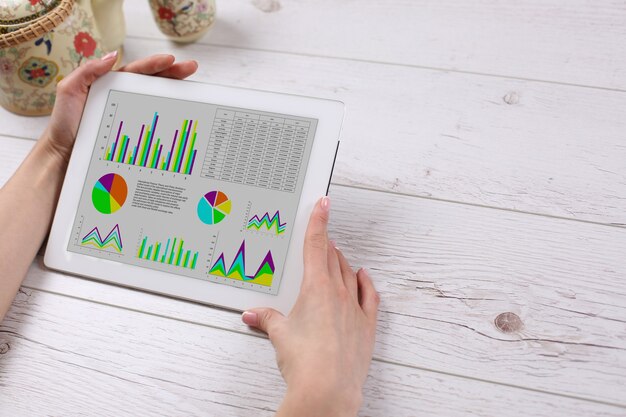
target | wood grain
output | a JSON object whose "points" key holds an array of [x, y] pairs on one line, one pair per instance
{"points": [[577, 41], [525, 146], [445, 272], [60, 356]]}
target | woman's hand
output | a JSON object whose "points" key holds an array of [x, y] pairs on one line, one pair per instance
{"points": [[28, 199], [72, 93], [324, 347]]}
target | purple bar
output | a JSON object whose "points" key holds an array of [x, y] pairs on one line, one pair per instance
{"points": [[116, 139], [192, 161], [125, 148], [156, 161], [138, 144], [182, 153], [154, 123], [169, 157]]}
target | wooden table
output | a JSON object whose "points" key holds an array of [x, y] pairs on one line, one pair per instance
{"points": [[482, 180]]}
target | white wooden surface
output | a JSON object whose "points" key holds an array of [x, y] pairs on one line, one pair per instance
{"points": [[483, 172]]}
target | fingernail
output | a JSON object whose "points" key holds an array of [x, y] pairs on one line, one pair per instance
{"points": [[333, 243], [250, 318], [365, 272], [325, 203], [110, 55]]}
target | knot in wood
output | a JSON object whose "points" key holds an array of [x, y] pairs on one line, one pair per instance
{"points": [[508, 322], [511, 98], [4, 348]]}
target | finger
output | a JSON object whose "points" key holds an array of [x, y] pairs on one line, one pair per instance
{"points": [[79, 80], [349, 277], [264, 319], [150, 65], [333, 264], [368, 297], [316, 239], [179, 70]]}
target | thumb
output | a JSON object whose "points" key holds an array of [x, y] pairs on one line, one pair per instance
{"points": [[79, 80], [265, 319]]}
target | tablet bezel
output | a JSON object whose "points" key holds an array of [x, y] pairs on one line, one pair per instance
{"points": [[329, 114]]}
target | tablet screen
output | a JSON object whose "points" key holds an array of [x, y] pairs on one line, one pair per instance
{"points": [[201, 190]]}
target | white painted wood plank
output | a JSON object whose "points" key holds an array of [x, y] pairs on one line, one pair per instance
{"points": [[519, 145], [574, 41], [12, 153], [446, 271], [61, 356], [444, 281]]}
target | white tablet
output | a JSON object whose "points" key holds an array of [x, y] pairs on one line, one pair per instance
{"points": [[196, 191]]}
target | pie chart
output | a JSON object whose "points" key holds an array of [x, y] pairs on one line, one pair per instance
{"points": [[109, 193], [213, 207]]}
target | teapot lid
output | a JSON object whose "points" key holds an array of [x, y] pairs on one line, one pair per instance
{"points": [[44, 16], [19, 12]]}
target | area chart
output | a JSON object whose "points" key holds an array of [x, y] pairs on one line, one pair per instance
{"points": [[237, 270]]}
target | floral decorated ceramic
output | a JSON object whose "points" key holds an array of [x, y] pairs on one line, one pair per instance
{"points": [[41, 41], [183, 20]]}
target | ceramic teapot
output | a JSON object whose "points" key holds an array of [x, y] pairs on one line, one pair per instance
{"points": [[41, 41]]}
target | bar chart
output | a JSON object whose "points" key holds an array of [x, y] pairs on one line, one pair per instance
{"points": [[148, 149], [173, 252]]}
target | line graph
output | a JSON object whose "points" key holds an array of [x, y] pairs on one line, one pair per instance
{"points": [[113, 240], [265, 222], [237, 270]]}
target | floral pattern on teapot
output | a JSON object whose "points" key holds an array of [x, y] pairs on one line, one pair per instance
{"points": [[30, 71]]}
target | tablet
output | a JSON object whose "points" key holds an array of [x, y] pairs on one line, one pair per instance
{"points": [[196, 191]]}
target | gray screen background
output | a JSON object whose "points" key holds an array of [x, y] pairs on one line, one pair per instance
{"points": [[208, 240]]}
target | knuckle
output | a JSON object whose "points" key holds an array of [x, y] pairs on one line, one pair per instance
{"points": [[376, 297]]}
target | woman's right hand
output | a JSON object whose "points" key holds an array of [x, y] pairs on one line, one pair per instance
{"points": [[324, 347]]}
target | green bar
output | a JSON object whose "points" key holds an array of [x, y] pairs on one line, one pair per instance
{"points": [[172, 252], [143, 246], [193, 261], [107, 156], [154, 154], [180, 252], [156, 252], [193, 141], [120, 155], [167, 246], [180, 145], [143, 148], [149, 252], [186, 259]]}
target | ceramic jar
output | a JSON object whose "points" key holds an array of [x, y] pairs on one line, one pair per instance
{"points": [[41, 41], [183, 20]]}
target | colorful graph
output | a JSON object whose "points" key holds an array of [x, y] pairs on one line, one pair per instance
{"points": [[213, 207], [263, 275], [174, 253], [109, 193], [266, 222], [111, 241], [148, 152]]}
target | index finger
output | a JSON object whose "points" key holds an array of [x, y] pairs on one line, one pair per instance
{"points": [[316, 239]]}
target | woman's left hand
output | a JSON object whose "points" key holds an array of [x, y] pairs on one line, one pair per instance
{"points": [[72, 93]]}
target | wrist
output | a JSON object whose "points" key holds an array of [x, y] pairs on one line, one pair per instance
{"points": [[56, 155], [314, 402]]}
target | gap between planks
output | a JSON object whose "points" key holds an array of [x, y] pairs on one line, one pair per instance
{"points": [[390, 63], [405, 194], [259, 335]]}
